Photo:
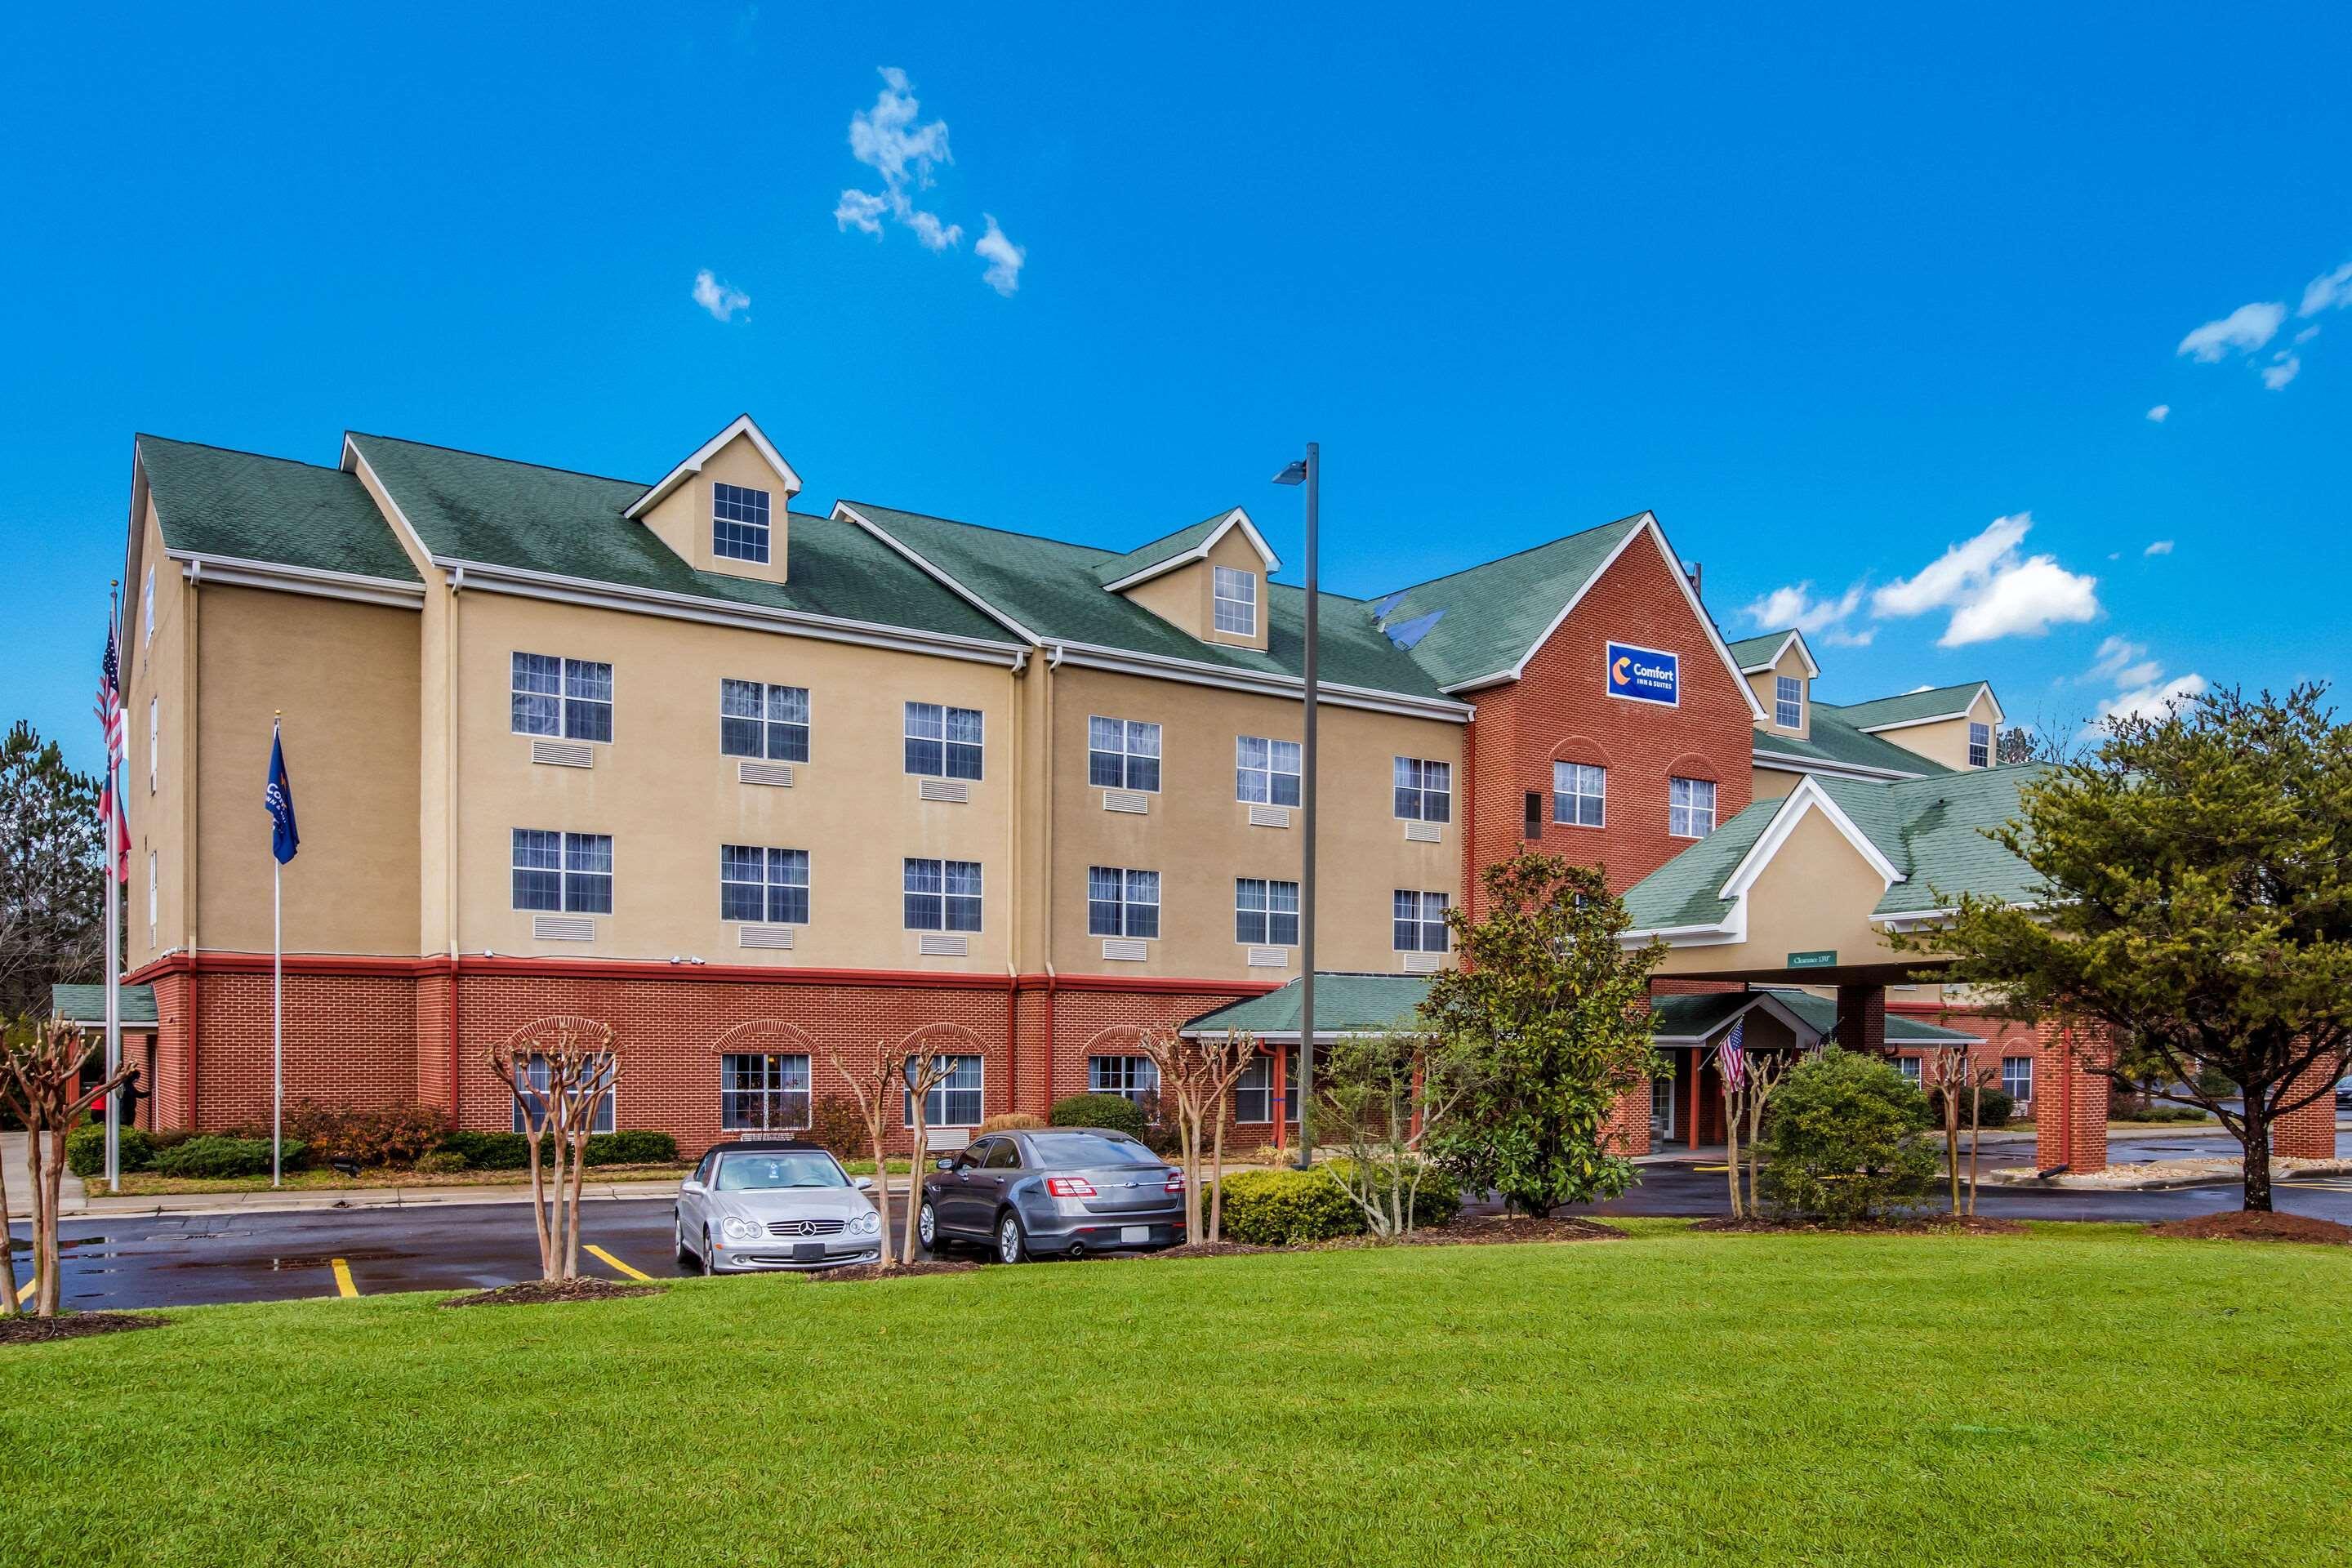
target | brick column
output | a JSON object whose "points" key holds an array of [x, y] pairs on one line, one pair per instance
{"points": [[2309, 1133], [1862, 1017], [2070, 1102], [1627, 1131]]}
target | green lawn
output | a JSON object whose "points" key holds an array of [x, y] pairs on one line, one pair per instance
{"points": [[2084, 1395]]}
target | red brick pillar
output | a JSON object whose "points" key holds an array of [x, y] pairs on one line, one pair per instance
{"points": [[2309, 1133], [2070, 1102], [1862, 1017], [1627, 1131]]}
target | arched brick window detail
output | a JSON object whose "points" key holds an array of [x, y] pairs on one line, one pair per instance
{"points": [[955, 1040], [766, 1037]]}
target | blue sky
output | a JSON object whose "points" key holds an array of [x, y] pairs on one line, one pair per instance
{"points": [[1833, 298]]}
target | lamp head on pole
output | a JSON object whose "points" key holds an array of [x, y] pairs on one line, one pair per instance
{"points": [[1296, 474]]}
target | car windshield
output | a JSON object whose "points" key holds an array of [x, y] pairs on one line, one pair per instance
{"points": [[1083, 1150], [767, 1171]]}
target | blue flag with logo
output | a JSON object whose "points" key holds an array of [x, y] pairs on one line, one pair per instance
{"points": [[284, 839]]}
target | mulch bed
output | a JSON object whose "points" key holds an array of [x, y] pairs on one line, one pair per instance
{"points": [[1924, 1225], [28, 1331], [896, 1271], [1486, 1230], [2242, 1227], [533, 1292]]}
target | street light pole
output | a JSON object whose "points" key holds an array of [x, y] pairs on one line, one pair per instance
{"points": [[1308, 472]]}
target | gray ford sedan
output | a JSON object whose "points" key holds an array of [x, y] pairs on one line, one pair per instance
{"points": [[1060, 1191], [774, 1204]]}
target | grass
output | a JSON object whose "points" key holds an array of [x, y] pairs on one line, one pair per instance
{"points": [[2081, 1393]]}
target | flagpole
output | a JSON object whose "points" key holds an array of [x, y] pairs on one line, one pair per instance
{"points": [[114, 853], [277, 1001]]}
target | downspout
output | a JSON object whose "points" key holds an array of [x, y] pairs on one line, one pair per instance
{"points": [[449, 839], [1045, 861], [190, 672], [1470, 817]]}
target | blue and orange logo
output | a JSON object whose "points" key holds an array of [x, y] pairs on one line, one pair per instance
{"points": [[1643, 674]]}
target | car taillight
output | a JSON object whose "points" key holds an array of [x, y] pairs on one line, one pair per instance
{"points": [[1069, 1186], [1175, 1181]]}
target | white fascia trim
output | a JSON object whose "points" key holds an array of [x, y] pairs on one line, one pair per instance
{"points": [[1732, 928], [200, 568], [1984, 689], [1649, 526], [483, 577], [743, 425], [1808, 795], [1120, 661], [1797, 764], [1813, 670], [1234, 518], [354, 461], [1290, 1037], [1922, 919], [842, 508]]}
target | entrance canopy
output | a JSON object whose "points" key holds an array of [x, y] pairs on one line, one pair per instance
{"points": [[1345, 1003]]}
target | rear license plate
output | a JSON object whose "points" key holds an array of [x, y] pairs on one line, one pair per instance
{"points": [[807, 1251], [1129, 1235]]}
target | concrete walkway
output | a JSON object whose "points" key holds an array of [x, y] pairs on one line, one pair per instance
{"points": [[14, 1170]]}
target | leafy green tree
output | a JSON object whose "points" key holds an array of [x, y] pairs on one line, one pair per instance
{"points": [[2199, 907], [52, 888], [1847, 1141], [1549, 1015]]}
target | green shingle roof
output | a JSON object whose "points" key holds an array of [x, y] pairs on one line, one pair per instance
{"points": [[1820, 1014], [1757, 649], [1344, 1002], [1832, 738], [469, 507], [1911, 706], [1494, 613], [1146, 556], [214, 501], [1054, 589], [87, 1004]]}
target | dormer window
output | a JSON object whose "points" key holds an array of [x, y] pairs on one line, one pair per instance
{"points": [[1788, 702], [739, 523], [1236, 601]]}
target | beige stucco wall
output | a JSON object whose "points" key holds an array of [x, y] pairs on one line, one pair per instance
{"points": [[1198, 837], [682, 518], [156, 674], [670, 799], [345, 675], [1771, 783], [1761, 682], [1186, 597], [1947, 743], [1815, 895]]}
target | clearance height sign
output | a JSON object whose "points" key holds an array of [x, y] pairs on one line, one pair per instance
{"points": [[1644, 674]]}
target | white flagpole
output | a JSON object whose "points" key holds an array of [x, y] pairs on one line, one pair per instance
{"points": [[114, 852], [277, 1005]]}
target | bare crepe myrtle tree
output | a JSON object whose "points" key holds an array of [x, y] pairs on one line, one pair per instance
{"points": [[559, 1070], [920, 1071], [1387, 1092], [40, 1080], [876, 1088], [1951, 1076], [1195, 1077]]}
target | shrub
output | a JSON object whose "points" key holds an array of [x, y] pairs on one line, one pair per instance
{"points": [[511, 1151], [1437, 1201], [1009, 1122], [1845, 1140], [488, 1151], [440, 1162], [217, 1155], [86, 1150], [1115, 1111], [2147, 1113], [836, 1123], [393, 1134], [630, 1148], [1279, 1207], [1160, 1134], [1993, 1107]]}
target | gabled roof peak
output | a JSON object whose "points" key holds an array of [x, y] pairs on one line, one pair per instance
{"points": [[1182, 548], [743, 425]]}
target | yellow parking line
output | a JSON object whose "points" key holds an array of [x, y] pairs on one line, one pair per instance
{"points": [[30, 1286], [631, 1273], [343, 1286]]}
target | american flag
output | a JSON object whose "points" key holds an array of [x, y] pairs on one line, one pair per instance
{"points": [[1733, 1059], [110, 720]]}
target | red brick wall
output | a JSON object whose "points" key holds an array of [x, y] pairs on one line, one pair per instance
{"points": [[2001, 1037], [2071, 1122], [2309, 1133]]}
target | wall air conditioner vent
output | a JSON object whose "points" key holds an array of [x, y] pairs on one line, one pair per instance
{"points": [[777, 775], [1424, 833], [947, 947], [562, 928], [1422, 962], [1127, 800], [1269, 817], [563, 753], [1126, 950], [763, 936], [1269, 958], [955, 790]]}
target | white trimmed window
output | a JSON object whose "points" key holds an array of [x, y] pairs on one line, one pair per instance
{"points": [[1579, 795], [739, 523], [1690, 807], [1424, 790], [1265, 914], [1130, 1078], [763, 1094], [1120, 903], [530, 1111], [1254, 1092], [756, 720], [147, 606], [942, 895], [1236, 600], [568, 696], [2016, 1077], [1909, 1067], [955, 1103], [566, 873], [154, 739], [943, 742], [1788, 702], [1122, 754], [1266, 772], [153, 897], [1979, 744], [767, 887], [1420, 921]]}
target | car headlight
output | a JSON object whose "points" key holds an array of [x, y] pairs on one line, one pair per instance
{"points": [[737, 1229], [868, 1224]]}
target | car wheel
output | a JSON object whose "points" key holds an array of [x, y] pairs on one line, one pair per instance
{"points": [[926, 1225], [1012, 1246], [705, 1259], [686, 1258]]}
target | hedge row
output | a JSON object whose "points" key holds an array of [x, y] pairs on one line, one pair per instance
{"points": [[1283, 1207], [229, 1155]]}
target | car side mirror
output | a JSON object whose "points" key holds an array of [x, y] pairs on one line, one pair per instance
{"points": [[689, 1185], [865, 1183], [943, 1164]]}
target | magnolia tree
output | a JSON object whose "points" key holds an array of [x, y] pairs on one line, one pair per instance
{"points": [[1387, 1093], [1551, 1011], [559, 1070], [40, 1084], [1195, 1077], [2194, 903]]}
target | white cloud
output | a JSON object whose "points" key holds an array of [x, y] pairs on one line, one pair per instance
{"points": [[2283, 368], [2123, 663], [2152, 699], [2160, 413], [721, 299], [888, 139], [2245, 329], [1794, 605], [2160, 547], [2327, 292], [1992, 590], [1005, 259], [2305, 335]]}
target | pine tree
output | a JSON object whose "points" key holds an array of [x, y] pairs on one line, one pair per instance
{"points": [[52, 892]]}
